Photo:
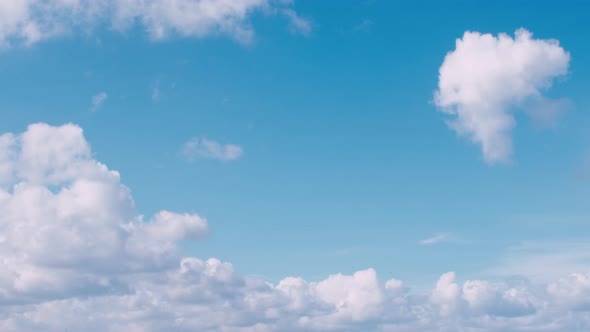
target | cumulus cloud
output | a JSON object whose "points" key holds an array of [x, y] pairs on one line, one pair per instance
{"points": [[66, 218], [209, 149], [30, 21], [98, 100], [486, 78], [572, 291], [75, 254]]}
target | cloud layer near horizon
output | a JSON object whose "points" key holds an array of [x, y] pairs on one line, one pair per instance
{"points": [[30, 21], [485, 78], [76, 255]]}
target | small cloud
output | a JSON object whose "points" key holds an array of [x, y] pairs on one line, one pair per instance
{"points": [[160, 90], [435, 239], [209, 149], [156, 93], [297, 23], [98, 100], [365, 25]]}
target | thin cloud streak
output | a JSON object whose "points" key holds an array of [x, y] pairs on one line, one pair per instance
{"points": [[435, 239]]}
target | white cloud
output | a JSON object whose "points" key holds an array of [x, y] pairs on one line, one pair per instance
{"points": [[446, 294], [572, 291], [76, 255], [205, 148], [485, 78], [435, 239], [30, 21], [69, 225], [98, 100]]}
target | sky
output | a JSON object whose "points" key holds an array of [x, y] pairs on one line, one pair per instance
{"points": [[276, 165]]}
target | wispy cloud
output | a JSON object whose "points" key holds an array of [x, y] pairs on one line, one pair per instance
{"points": [[156, 93], [98, 100], [365, 25], [438, 238], [546, 112], [543, 260], [298, 24], [209, 149]]}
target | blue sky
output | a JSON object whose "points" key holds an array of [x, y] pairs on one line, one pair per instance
{"points": [[347, 162], [344, 150]]}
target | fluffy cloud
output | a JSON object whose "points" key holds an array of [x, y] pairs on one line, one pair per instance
{"points": [[485, 78], [573, 291], [206, 148], [68, 224], [30, 21], [76, 255]]}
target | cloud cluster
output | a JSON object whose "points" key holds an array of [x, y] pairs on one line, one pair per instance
{"points": [[76, 255], [485, 78], [209, 149], [30, 21]]}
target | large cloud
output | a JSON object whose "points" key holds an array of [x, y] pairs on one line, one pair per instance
{"points": [[68, 224], [76, 255], [29, 21], [486, 77]]}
